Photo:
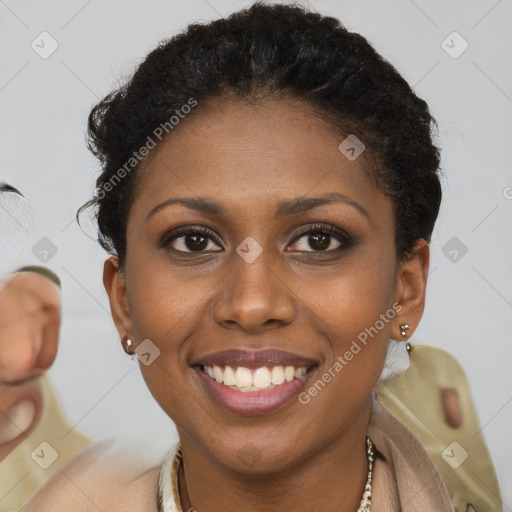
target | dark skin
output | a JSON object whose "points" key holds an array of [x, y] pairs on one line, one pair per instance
{"points": [[295, 296]]}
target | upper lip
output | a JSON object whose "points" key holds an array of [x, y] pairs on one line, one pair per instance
{"points": [[254, 359]]}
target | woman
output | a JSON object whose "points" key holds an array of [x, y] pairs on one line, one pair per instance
{"points": [[269, 189]]}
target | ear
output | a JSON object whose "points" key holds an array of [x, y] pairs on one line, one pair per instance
{"points": [[115, 286], [410, 288]]}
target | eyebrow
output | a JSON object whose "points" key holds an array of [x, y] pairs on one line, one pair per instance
{"points": [[289, 207]]}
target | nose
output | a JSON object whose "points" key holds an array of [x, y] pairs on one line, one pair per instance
{"points": [[254, 296]]}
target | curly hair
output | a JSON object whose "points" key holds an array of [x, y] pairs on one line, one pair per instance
{"points": [[284, 51]]}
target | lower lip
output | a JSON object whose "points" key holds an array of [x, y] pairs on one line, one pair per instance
{"points": [[254, 402]]}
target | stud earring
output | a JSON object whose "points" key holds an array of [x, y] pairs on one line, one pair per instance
{"points": [[128, 347], [403, 328]]}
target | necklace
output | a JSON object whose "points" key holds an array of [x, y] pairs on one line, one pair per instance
{"points": [[168, 494]]}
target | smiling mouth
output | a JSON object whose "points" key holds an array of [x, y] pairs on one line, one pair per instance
{"points": [[243, 379]]}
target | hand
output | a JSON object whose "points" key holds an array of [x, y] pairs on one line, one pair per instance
{"points": [[30, 316]]}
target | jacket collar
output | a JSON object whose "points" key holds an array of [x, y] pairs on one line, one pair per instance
{"points": [[405, 479]]}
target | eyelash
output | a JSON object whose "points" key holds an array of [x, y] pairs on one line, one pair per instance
{"points": [[344, 238]]}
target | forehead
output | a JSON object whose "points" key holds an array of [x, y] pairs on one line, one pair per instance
{"points": [[253, 155]]}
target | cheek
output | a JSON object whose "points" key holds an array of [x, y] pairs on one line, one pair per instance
{"points": [[349, 314], [165, 308], [161, 312], [162, 303], [353, 298], [355, 312]]}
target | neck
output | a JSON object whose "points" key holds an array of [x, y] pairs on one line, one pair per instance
{"points": [[333, 478]]}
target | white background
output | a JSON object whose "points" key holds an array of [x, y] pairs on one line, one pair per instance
{"points": [[44, 104]]}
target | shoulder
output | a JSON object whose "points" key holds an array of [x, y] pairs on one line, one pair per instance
{"points": [[104, 476], [404, 472]]}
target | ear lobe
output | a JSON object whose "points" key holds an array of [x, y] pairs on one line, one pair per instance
{"points": [[115, 286], [411, 288]]}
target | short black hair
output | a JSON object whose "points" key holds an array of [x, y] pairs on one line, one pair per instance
{"points": [[283, 51]]}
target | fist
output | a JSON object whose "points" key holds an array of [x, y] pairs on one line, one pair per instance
{"points": [[30, 317]]}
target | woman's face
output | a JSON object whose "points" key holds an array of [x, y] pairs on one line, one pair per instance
{"points": [[258, 281]]}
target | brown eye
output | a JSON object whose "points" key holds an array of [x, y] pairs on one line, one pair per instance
{"points": [[323, 238], [189, 240], [319, 241]]}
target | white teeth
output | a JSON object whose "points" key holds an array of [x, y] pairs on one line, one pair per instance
{"points": [[244, 390], [243, 377], [277, 375], [218, 373], [246, 380], [299, 372], [261, 378], [289, 373], [229, 376]]}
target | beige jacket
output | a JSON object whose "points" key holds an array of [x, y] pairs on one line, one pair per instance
{"points": [[404, 479], [46, 449]]}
